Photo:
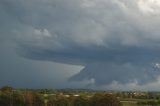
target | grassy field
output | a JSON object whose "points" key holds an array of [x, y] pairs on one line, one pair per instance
{"points": [[133, 102], [129, 103]]}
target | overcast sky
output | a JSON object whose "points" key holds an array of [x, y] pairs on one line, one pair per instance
{"points": [[98, 44]]}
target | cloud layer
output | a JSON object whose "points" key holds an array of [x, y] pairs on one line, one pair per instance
{"points": [[116, 40]]}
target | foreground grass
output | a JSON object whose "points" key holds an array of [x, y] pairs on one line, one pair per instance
{"points": [[140, 102]]}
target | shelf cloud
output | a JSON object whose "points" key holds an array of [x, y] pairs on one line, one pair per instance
{"points": [[115, 40]]}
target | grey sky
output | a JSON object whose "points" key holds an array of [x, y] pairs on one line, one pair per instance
{"points": [[89, 43]]}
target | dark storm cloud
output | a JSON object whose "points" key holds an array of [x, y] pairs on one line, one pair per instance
{"points": [[116, 40]]}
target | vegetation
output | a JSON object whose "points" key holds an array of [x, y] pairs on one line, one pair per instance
{"points": [[149, 102], [105, 100], [45, 97], [81, 101]]}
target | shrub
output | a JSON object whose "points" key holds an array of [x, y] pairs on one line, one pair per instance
{"points": [[105, 100]]}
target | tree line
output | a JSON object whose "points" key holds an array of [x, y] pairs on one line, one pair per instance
{"points": [[11, 97], [96, 100]]}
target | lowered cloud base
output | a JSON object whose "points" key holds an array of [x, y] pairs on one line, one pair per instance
{"points": [[115, 40]]}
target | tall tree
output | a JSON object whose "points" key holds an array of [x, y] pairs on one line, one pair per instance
{"points": [[81, 101], [105, 100]]}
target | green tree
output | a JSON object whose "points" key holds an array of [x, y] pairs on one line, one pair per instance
{"points": [[5, 99], [28, 97], [62, 101], [104, 100], [6, 89], [6, 94], [81, 101], [33, 99], [51, 101], [18, 99], [38, 100]]}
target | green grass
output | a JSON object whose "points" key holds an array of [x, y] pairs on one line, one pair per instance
{"points": [[133, 102]]}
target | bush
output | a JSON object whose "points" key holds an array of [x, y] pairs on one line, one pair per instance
{"points": [[81, 101], [6, 89], [150, 103], [33, 99], [5, 99], [62, 101], [18, 99], [104, 100], [51, 101]]}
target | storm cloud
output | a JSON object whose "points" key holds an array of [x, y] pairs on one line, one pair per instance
{"points": [[115, 40]]}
